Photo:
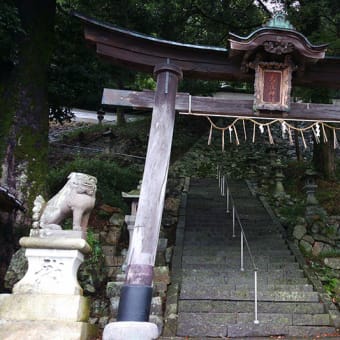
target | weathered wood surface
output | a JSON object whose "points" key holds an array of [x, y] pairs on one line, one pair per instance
{"points": [[293, 40], [221, 107], [142, 53], [151, 199]]}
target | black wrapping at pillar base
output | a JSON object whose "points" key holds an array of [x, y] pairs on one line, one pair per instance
{"points": [[134, 303]]}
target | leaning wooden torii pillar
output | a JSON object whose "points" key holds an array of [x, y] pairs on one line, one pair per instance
{"points": [[168, 60], [137, 291]]}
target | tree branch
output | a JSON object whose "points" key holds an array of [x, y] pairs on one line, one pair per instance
{"points": [[264, 7]]}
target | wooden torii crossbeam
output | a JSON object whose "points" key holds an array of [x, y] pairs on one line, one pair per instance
{"points": [[210, 106]]}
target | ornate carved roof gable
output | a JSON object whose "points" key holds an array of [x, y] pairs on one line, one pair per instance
{"points": [[278, 37]]}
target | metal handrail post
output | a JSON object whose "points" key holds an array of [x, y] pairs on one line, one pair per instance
{"points": [[243, 241], [228, 199], [256, 321], [234, 221], [223, 185], [219, 178], [242, 259]]}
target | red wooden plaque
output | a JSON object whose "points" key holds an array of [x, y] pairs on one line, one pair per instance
{"points": [[272, 86]]}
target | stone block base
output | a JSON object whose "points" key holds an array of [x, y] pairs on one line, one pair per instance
{"points": [[44, 307], [46, 330], [132, 330]]}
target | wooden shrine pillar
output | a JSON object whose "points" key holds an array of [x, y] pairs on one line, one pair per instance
{"points": [[136, 294]]}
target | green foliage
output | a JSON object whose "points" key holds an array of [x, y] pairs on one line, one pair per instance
{"points": [[319, 95], [144, 82], [97, 254], [86, 129], [330, 283], [319, 21], [292, 212], [112, 179], [10, 26], [294, 182], [60, 114], [67, 224], [205, 169], [330, 253], [199, 87]]}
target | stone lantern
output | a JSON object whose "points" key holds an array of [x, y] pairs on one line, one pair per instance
{"points": [[272, 156], [310, 187], [253, 162], [279, 190], [100, 115], [132, 197]]}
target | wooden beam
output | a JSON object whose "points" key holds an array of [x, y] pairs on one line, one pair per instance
{"points": [[136, 293], [142, 53], [206, 106], [151, 200]]}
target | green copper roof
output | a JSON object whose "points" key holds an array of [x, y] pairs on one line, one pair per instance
{"points": [[279, 20]]}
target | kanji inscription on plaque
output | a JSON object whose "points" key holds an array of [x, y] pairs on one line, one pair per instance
{"points": [[272, 87]]}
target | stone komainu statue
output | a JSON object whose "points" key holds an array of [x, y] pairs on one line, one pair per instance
{"points": [[76, 199]]}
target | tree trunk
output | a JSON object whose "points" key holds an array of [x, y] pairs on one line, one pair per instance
{"points": [[25, 131], [324, 155], [24, 114]]}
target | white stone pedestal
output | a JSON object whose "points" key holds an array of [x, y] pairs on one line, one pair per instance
{"points": [[130, 330], [48, 303]]}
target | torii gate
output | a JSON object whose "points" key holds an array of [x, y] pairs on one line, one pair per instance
{"points": [[279, 55]]}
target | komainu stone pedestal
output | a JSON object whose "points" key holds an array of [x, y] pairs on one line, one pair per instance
{"points": [[48, 303]]}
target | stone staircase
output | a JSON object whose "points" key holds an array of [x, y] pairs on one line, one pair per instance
{"points": [[216, 299]]}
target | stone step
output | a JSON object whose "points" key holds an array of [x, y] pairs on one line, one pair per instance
{"points": [[216, 306], [224, 227], [226, 234], [224, 223], [46, 329], [190, 284], [209, 241], [223, 241], [242, 324], [261, 280], [208, 259], [233, 251], [196, 291], [247, 266], [207, 213], [220, 293], [223, 217], [204, 324], [269, 329], [247, 274], [204, 203], [226, 230]]}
